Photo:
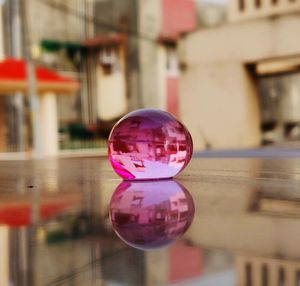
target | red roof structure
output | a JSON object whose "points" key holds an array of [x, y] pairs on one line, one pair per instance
{"points": [[13, 78]]}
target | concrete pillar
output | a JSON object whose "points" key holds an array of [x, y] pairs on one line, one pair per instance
{"points": [[49, 124], [4, 251]]}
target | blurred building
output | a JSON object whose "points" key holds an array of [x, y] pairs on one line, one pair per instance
{"points": [[54, 37], [234, 81], [124, 55], [151, 73], [240, 83]]}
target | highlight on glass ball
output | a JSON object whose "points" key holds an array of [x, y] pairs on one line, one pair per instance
{"points": [[148, 215], [149, 144]]}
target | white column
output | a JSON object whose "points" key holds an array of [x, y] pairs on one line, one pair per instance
{"points": [[49, 124], [4, 254]]}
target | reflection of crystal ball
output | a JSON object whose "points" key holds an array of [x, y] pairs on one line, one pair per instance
{"points": [[153, 214], [149, 144]]}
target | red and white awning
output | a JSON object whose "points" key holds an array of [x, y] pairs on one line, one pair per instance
{"points": [[13, 78]]}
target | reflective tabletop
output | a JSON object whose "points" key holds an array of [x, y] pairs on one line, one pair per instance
{"points": [[220, 222]]}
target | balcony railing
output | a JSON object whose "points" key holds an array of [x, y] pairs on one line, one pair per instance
{"points": [[240, 10], [258, 271]]}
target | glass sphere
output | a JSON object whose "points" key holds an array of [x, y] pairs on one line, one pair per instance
{"points": [[149, 144], [147, 215]]}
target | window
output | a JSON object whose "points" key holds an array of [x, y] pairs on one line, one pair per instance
{"points": [[108, 59], [172, 65]]}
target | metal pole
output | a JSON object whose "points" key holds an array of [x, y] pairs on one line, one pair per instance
{"points": [[34, 110], [91, 106], [32, 88], [16, 50], [13, 41]]}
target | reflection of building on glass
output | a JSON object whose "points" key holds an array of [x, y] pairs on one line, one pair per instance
{"points": [[259, 226], [178, 263], [272, 202], [150, 214], [33, 251], [174, 210], [256, 271]]}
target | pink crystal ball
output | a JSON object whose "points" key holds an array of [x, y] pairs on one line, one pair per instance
{"points": [[151, 214], [149, 144]]}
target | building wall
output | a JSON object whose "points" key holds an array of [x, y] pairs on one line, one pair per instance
{"points": [[150, 23], [111, 90], [146, 21], [161, 18], [47, 22], [167, 82], [114, 16], [244, 42], [219, 106], [218, 98]]}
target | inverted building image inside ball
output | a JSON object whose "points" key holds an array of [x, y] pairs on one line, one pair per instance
{"points": [[149, 144], [147, 215]]}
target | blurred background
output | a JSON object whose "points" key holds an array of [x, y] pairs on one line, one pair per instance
{"points": [[229, 70], [69, 69]]}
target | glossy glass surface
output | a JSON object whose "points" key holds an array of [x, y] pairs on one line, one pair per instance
{"points": [[55, 228], [149, 215], [149, 144]]}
